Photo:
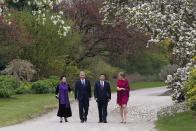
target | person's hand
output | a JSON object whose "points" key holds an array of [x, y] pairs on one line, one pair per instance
{"points": [[57, 97], [119, 89], [122, 89]]}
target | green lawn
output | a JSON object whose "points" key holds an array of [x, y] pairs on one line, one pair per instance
{"points": [[141, 85], [179, 122], [23, 107]]}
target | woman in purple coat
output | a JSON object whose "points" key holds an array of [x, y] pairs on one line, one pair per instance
{"points": [[62, 91]]}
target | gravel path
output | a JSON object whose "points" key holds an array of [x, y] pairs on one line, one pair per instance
{"points": [[143, 106]]}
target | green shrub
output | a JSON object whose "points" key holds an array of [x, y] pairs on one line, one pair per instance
{"points": [[146, 63], [25, 87], [45, 85], [54, 80], [72, 73], [190, 88], [8, 85]]}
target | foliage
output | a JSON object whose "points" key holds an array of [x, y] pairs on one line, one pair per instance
{"points": [[97, 66], [48, 52], [99, 39], [40, 35], [21, 69], [167, 70], [173, 19], [190, 90], [176, 81], [100, 66], [146, 63], [13, 38], [25, 87], [163, 19], [58, 37], [72, 73], [8, 84], [2, 63], [45, 85], [40, 9]]}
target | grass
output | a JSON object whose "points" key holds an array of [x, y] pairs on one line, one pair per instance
{"points": [[23, 107], [180, 122], [142, 85]]}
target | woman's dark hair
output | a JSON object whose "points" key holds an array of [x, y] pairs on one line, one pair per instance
{"points": [[61, 77]]}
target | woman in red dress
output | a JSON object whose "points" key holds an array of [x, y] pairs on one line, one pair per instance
{"points": [[123, 95]]}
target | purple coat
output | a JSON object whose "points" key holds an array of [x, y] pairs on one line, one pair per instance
{"points": [[63, 90]]}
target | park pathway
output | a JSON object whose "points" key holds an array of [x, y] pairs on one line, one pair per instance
{"points": [[143, 107]]}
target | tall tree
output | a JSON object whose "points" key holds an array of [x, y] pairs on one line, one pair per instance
{"points": [[100, 39], [163, 19]]}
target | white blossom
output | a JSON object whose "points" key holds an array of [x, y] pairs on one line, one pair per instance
{"points": [[41, 14], [173, 19]]}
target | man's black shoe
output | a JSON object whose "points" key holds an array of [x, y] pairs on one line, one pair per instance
{"points": [[85, 119], [105, 122]]}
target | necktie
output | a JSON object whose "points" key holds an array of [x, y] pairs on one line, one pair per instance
{"points": [[102, 84]]}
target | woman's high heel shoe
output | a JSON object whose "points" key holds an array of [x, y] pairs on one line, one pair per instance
{"points": [[66, 120], [61, 120]]}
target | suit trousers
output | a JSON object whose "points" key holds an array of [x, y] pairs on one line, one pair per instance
{"points": [[83, 109], [102, 108]]}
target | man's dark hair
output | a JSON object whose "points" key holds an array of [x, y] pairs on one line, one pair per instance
{"points": [[106, 78], [102, 74]]}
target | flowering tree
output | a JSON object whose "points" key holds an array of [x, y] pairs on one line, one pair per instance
{"points": [[163, 19], [99, 39], [21, 69], [41, 9], [35, 31]]}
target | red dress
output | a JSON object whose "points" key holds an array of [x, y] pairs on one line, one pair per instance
{"points": [[123, 95]]}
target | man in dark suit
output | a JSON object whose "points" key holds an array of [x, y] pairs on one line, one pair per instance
{"points": [[102, 93], [83, 95]]}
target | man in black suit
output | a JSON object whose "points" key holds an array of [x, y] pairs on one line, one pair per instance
{"points": [[83, 95], [102, 93]]}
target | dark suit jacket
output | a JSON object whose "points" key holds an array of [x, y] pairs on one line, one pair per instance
{"points": [[83, 92], [102, 94]]}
